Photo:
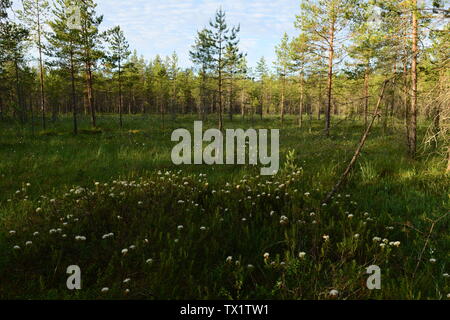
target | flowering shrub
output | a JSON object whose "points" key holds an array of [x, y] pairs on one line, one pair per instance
{"points": [[177, 236]]}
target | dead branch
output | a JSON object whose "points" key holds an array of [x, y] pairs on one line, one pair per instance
{"points": [[360, 146]]}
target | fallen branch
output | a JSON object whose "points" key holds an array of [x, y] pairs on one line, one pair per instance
{"points": [[360, 146]]}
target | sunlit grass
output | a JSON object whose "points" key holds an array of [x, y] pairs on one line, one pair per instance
{"points": [[205, 232]]}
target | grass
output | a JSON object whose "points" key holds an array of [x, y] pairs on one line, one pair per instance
{"points": [[181, 225]]}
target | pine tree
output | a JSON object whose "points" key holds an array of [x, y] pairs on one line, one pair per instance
{"points": [[366, 45], [324, 20], [283, 66], [234, 66], [12, 48], [300, 58], [262, 73], [202, 56], [91, 45], [119, 53], [65, 47], [34, 15], [221, 37]]}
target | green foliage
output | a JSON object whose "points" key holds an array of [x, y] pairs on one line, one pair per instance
{"points": [[143, 200]]}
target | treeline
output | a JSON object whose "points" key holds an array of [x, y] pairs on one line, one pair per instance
{"points": [[334, 66]]}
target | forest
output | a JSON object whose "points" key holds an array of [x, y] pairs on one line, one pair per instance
{"points": [[361, 96]]}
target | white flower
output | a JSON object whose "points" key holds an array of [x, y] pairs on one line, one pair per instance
{"points": [[124, 251], [266, 256], [356, 236], [16, 248], [28, 243], [149, 261], [36, 234], [326, 237], [180, 227], [376, 239], [202, 228], [350, 216], [105, 290], [229, 259], [301, 255], [38, 210], [334, 293], [250, 267], [307, 194], [432, 260], [12, 232], [132, 247], [448, 295], [126, 280], [446, 275]]}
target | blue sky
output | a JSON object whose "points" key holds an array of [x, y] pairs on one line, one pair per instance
{"points": [[162, 26]]}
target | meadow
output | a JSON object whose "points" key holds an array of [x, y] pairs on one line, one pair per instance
{"points": [[111, 201]]}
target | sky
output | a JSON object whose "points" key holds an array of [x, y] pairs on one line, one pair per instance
{"points": [[162, 26]]}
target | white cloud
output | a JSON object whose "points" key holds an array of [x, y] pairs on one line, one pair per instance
{"points": [[160, 27]]}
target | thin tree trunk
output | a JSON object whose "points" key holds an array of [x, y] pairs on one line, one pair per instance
{"points": [[406, 105], [18, 91], [330, 78], [366, 95], [120, 96], [413, 129], [74, 103], [283, 89], [90, 99], [300, 116], [41, 68]]}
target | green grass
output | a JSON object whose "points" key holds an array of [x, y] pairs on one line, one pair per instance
{"points": [[390, 196]]}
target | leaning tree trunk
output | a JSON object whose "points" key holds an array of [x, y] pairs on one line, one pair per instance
{"points": [[359, 148]]}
